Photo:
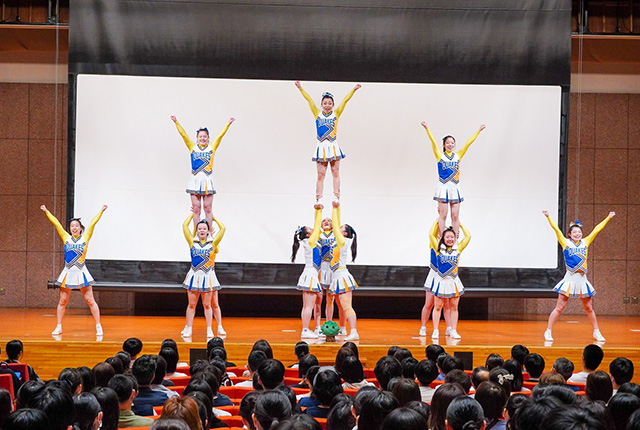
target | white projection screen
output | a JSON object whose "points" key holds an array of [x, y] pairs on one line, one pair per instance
{"points": [[130, 156]]}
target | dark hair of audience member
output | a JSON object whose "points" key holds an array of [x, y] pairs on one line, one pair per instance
{"points": [[122, 385], [406, 390], [513, 404], [56, 403], [405, 419], [26, 419], [198, 385], [271, 408], [133, 346], [620, 407], [210, 379], [573, 418], [271, 373], [563, 393], [144, 369], [6, 404], [493, 400], [340, 357], [630, 387], [222, 376], [205, 410], [301, 349], [103, 372], [263, 345], [514, 369], [597, 409], [401, 354], [161, 371], [352, 346], [254, 360], [185, 408], [634, 421], [440, 359], [532, 411], [255, 382], [387, 368], [351, 370], [479, 375], [518, 352], [71, 377], [306, 361], [88, 410], [420, 407], [375, 408], [311, 375], [13, 349], [361, 395], [409, 367], [621, 370], [200, 366], [465, 413], [26, 391], [599, 386], [299, 422], [450, 363], [501, 377], [87, 378], [220, 353], [340, 416], [564, 366], [169, 343], [171, 357], [440, 402], [326, 385], [534, 364], [247, 405], [216, 342], [493, 361], [433, 351], [116, 363], [426, 372], [551, 378], [460, 377], [291, 395], [125, 359], [169, 424], [392, 350], [108, 400], [592, 356]]}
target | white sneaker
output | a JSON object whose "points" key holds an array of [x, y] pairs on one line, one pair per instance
{"points": [[343, 331], [448, 332], [598, 336], [308, 334], [423, 331], [353, 336], [210, 333], [186, 332], [435, 334], [318, 331], [99, 331], [58, 330], [547, 335], [221, 331], [454, 334]]}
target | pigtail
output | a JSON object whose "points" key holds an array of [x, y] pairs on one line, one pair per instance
{"points": [[295, 246], [351, 234]]}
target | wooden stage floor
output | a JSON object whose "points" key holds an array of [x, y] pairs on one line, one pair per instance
{"points": [[78, 345]]}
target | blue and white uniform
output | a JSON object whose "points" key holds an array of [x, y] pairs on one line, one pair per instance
{"points": [[309, 279], [75, 274], [327, 262], [341, 281], [448, 189], [202, 276], [433, 278], [450, 284], [575, 282], [327, 148], [201, 181]]}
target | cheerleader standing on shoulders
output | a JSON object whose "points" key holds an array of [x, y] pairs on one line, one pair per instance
{"points": [[327, 151], [449, 288], [575, 283], [448, 191], [200, 185], [201, 281], [433, 278], [75, 274], [342, 282], [309, 282]]}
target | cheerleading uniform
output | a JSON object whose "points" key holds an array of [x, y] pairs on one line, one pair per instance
{"points": [[327, 148], [433, 278], [341, 280], [447, 260], [202, 276], [575, 283], [448, 189], [75, 274], [309, 280], [201, 181], [326, 261]]}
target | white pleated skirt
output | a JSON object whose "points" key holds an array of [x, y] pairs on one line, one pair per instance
{"points": [[309, 281], [201, 184], [75, 278], [201, 281], [448, 287], [448, 192], [342, 282], [575, 285], [327, 151]]}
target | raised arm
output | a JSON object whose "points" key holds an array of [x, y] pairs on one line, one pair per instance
{"points": [[220, 234], [597, 229], [335, 221], [61, 231], [344, 101], [561, 239], [218, 139], [434, 146], [466, 146], [185, 229], [317, 224], [89, 231], [184, 134], [465, 240], [433, 236], [312, 105]]}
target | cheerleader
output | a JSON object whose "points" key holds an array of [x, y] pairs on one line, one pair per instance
{"points": [[433, 278], [75, 274], [201, 279], [449, 288], [309, 282], [200, 185], [327, 151], [575, 283], [448, 191], [342, 282]]}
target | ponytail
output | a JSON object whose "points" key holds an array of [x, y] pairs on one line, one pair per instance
{"points": [[351, 234], [300, 234]]}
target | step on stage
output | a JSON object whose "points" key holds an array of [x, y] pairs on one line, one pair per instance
{"points": [[78, 346]]}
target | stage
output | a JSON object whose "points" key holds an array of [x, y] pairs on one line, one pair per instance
{"points": [[78, 345]]}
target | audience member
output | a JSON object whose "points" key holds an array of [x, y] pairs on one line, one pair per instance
{"points": [[621, 371], [110, 406], [599, 386], [387, 368], [534, 364], [126, 390], [144, 369], [15, 350], [132, 346], [426, 372], [592, 356]]}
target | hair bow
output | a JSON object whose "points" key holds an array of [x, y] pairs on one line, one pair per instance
{"points": [[576, 223], [327, 94], [501, 378]]}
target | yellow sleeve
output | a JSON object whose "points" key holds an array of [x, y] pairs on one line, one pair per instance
{"points": [[335, 220], [315, 235], [61, 231], [220, 135], [433, 237], [436, 149], [597, 229], [312, 105], [220, 234], [343, 103], [465, 240], [185, 229], [466, 146], [561, 239], [89, 231], [185, 137]]}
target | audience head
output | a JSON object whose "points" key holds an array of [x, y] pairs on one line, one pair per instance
{"points": [[216, 342], [514, 369], [14, 349], [271, 373], [532, 411], [573, 418], [392, 350], [564, 367], [433, 351], [450, 363], [247, 405], [26, 419], [254, 360], [634, 421], [479, 375], [123, 386], [220, 353], [375, 407], [303, 365], [161, 371], [387, 368], [620, 407], [87, 378], [631, 388], [116, 364], [409, 367], [401, 354], [311, 374], [340, 356], [132, 346], [26, 391], [271, 408], [205, 408], [562, 393], [209, 378], [404, 418], [340, 416], [534, 364], [326, 385], [551, 378], [110, 408], [440, 402], [352, 370], [301, 349], [406, 390], [465, 413], [599, 386], [513, 404], [56, 403], [460, 377], [103, 372], [291, 395], [6, 405], [493, 361], [125, 359], [144, 369], [72, 378], [185, 408], [426, 372], [169, 424], [420, 407], [263, 345], [493, 399], [352, 346], [518, 352], [621, 370], [88, 414], [171, 357], [592, 356], [501, 377], [362, 394]]}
